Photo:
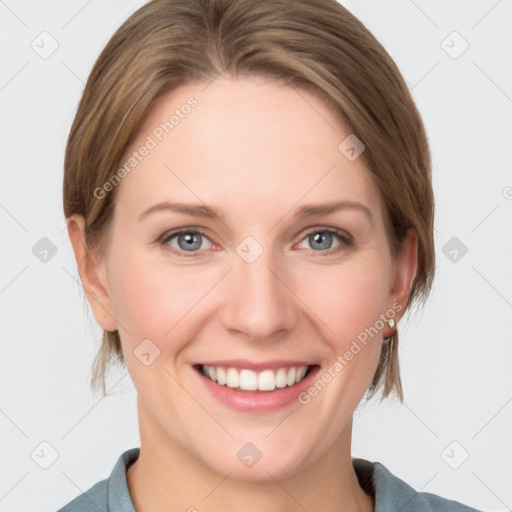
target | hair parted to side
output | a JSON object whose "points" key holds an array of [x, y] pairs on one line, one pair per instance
{"points": [[314, 45]]}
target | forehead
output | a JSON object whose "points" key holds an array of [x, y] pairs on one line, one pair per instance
{"points": [[251, 143]]}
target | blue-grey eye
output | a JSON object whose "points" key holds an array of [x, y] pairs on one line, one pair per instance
{"points": [[189, 241], [321, 240]]}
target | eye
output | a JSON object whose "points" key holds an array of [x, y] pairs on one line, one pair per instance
{"points": [[321, 239], [187, 240]]}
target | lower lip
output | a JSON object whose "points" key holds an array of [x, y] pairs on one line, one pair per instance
{"points": [[260, 401]]}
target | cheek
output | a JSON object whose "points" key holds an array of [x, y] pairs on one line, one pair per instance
{"points": [[156, 300], [349, 297], [350, 302]]}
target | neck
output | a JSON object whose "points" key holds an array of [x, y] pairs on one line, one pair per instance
{"points": [[167, 477]]}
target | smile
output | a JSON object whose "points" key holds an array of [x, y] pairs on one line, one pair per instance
{"points": [[251, 387], [249, 380]]}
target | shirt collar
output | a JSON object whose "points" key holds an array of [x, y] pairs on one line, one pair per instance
{"points": [[389, 492], [118, 496]]}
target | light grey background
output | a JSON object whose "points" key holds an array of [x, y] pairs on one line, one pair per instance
{"points": [[455, 357]]}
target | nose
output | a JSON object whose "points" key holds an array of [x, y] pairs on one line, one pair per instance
{"points": [[259, 304]]}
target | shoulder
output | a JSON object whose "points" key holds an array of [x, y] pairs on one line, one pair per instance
{"points": [[391, 493], [94, 500]]}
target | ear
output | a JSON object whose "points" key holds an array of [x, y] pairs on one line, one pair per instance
{"points": [[92, 274], [405, 272]]}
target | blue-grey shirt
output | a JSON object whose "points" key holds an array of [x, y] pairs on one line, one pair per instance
{"points": [[390, 493]]}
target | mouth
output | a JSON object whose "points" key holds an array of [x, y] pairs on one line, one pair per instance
{"points": [[247, 380]]}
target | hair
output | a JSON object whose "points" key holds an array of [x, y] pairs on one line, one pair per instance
{"points": [[314, 45]]}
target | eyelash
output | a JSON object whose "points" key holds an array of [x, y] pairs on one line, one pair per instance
{"points": [[345, 238]]}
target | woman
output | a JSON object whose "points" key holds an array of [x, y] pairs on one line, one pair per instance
{"points": [[248, 194]]}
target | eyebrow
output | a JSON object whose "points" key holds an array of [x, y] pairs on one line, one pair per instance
{"points": [[308, 210]]}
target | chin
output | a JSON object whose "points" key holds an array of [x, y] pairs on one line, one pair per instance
{"points": [[258, 459]]}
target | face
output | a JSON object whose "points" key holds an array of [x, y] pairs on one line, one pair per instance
{"points": [[251, 323]]}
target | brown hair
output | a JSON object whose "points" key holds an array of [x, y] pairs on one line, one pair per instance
{"points": [[314, 45]]}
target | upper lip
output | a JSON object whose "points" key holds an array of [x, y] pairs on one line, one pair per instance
{"points": [[251, 365]]}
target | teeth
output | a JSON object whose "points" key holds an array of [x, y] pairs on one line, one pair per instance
{"points": [[300, 373], [281, 378], [221, 375], [266, 381], [249, 380], [232, 378], [290, 378]]}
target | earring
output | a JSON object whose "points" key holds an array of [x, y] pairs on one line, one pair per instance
{"points": [[391, 323]]}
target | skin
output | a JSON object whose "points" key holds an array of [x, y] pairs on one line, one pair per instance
{"points": [[257, 150]]}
